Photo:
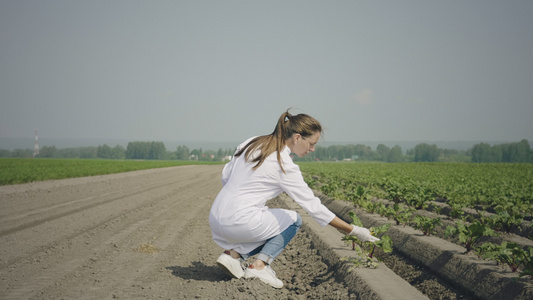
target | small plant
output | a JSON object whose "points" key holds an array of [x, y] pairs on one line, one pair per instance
{"points": [[516, 257], [402, 215], [389, 211], [457, 210], [420, 198], [510, 254], [505, 221], [357, 222], [361, 260], [527, 263], [426, 224], [488, 251], [384, 243], [367, 249], [374, 207], [330, 189], [468, 235]]}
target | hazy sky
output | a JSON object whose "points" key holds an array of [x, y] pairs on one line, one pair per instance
{"points": [[225, 70]]}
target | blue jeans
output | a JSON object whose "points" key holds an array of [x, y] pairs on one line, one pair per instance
{"points": [[273, 246]]}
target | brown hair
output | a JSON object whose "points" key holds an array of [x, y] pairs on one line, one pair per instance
{"points": [[287, 125]]}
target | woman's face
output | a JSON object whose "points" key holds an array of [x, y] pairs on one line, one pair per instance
{"points": [[303, 145]]}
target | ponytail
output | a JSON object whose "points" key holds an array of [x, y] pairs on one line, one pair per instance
{"points": [[286, 126]]}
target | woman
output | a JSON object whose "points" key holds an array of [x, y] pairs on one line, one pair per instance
{"points": [[260, 170]]}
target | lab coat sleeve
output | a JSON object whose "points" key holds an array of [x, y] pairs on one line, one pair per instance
{"points": [[293, 184]]}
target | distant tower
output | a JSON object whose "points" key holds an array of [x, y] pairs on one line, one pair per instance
{"points": [[36, 146]]}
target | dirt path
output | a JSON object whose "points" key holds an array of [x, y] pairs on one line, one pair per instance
{"points": [[137, 235]]}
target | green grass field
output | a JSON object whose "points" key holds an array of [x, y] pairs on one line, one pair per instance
{"points": [[24, 170]]}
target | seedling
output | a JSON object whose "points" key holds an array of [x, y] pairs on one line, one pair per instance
{"points": [[427, 225], [517, 258], [510, 254], [368, 248], [457, 210], [402, 215], [505, 221], [385, 242], [468, 235]]}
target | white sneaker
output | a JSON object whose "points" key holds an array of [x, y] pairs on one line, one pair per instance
{"points": [[266, 275], [233, 266]]}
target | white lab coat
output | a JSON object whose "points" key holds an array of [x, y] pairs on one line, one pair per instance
{"points": [[239, 218]]}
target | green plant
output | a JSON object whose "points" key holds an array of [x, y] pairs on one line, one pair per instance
{"points": [[511, 254], [402, 215], [357, 222], [329, 188], [469, 234], [456, 210], [516, 257], [488, 251], [368, 248], [505, 221], [426, 224], [420, 198], [374, 207], [385, 242]]}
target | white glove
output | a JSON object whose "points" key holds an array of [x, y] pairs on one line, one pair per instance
{"points": [[363, 234]]}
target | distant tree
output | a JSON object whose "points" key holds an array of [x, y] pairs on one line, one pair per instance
{"points": [[509, 152], [482, 152], [396, 154], [69, 153], [87, 152], [520, 151], [118, 152], [104, 151], [196, 154], [5, 153], [497, 153], [384, 152], [426, 153], [182, 153], [146, 150], [157, 150], [138, 150], [48, 152], [22, 153]]}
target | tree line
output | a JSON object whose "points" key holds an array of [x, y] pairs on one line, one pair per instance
{"points": [[510, 152], [482, 152]]}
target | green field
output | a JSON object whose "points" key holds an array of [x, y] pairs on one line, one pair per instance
{"points": [[476, 206], [21, 170], [484, 185]]}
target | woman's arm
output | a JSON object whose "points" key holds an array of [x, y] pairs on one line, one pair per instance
{"points": [[341, 225]]}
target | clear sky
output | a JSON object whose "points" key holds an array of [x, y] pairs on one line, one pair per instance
{"points": [[225, 70]]}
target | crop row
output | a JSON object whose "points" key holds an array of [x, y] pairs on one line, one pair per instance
{"points": [[499, 194], [484, 187]]}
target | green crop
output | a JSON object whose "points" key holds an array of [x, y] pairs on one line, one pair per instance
{"points": [[506, 189], [511, 254], [367, 249], [426, 224], [469, 234]]}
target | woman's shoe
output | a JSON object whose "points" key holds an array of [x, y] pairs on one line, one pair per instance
{"points": [[266, 275], [233, 266]]}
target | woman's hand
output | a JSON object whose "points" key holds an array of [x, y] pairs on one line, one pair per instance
{"points": [[363, 234]]}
